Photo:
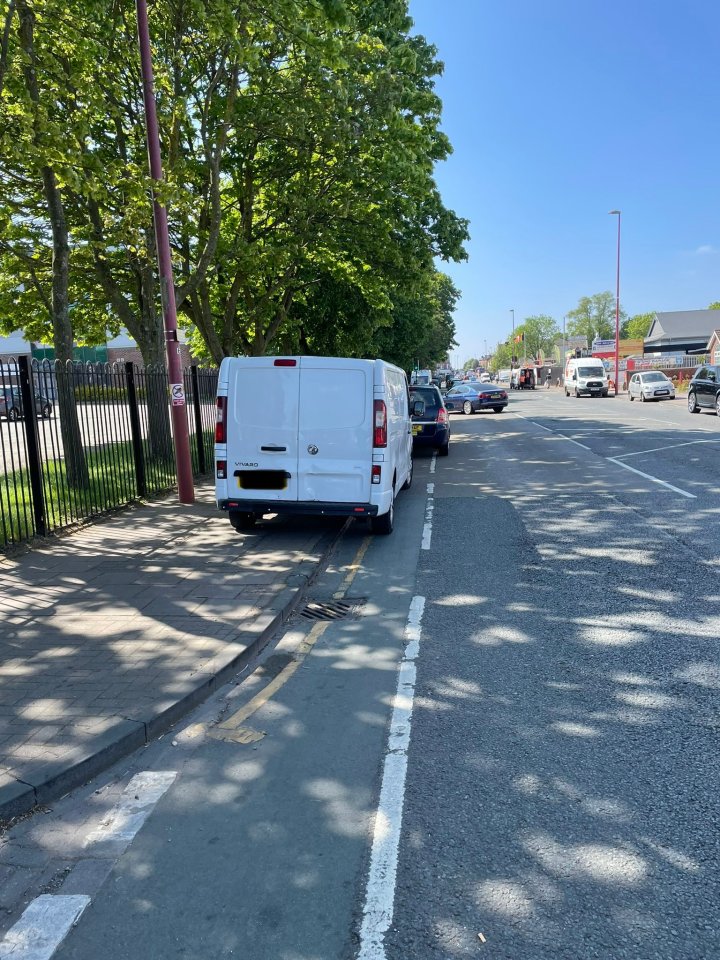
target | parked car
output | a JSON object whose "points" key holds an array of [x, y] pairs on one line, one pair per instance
{"points": [[651, 385], [311, 435], [471, 396], [11, 404], [430, 420], [704, 390]]}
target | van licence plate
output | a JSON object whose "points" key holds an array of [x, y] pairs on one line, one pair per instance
{"points": [[262, 479]]}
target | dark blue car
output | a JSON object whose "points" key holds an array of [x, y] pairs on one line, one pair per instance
{"points": [[471, 396], [430, 420]]}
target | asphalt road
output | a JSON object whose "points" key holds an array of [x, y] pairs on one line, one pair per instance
{"points": [[560, 795]]}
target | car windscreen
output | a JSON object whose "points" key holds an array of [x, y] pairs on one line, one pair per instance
{"points": [[431, 399], [591, 371], [654, 378]]}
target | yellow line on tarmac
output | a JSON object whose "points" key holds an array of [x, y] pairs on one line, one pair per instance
{"points": [[353, 569], [237, 719]]}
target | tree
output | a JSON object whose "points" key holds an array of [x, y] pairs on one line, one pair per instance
{"points": [[714, 306], [422, 330], [540, 333], [471, 364], [33, 200], [502, 357], [329, 182], [594, 317], [637, 326]]}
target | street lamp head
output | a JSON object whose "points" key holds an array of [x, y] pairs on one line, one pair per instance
{"points": [[611, 212]]}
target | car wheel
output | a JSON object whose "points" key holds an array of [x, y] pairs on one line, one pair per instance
{"points": [[577, 395], [46, 411], [630, 397], [717, 404], [642, 397], [384, 523], [498, 409], [693, 404], [242, 520], [444, 450], [567, 392], [13, 414], [467, 407], [408, 479]]}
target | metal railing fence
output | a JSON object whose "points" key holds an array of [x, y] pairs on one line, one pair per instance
{"points": [[100, 437]]}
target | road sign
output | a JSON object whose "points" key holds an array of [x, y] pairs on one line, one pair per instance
{"points": [[177, 393]]}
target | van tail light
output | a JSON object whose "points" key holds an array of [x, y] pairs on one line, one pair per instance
{"points": [[221, 421], [284, 362], [380, 424], [221, 470], [376, 473], [442, 415]]}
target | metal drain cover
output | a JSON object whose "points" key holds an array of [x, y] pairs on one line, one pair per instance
{"points": [[329, 609]]}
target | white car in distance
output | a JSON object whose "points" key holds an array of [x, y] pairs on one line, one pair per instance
{"points": [[651, 385]]}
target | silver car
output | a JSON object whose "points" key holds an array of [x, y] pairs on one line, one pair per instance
{"points": [[651, 385]]}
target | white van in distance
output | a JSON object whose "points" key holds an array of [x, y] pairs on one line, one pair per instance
{"points": [[311, 435], [586, 375]]}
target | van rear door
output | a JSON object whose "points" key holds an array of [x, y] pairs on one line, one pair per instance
{"points": [[335, 430], [262, 428]]}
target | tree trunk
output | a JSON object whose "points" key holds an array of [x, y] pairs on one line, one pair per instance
{"points": [[150, 338], [75, 464]]}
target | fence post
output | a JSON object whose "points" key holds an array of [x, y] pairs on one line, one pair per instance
{"points": [[135, 431], [27, 395], [198, 419]]}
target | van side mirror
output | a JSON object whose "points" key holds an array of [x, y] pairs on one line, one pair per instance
{"points": [[418, 408], [574, 376]]}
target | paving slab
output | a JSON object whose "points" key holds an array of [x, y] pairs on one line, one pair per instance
{"points": [[110, 634]]}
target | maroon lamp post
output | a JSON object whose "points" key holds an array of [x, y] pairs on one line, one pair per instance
{"points": [[186, 492], [617, 305]]}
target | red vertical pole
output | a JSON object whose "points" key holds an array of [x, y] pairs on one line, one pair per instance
{"points": [[617, 311], [186, 492]]}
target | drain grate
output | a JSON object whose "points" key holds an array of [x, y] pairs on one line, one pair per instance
{"points": [[329, 609]]}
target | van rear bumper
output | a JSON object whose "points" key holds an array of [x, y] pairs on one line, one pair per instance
{"points": [[305, 507]]}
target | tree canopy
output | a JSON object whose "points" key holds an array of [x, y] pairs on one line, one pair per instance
{"points": [[299, 141], [594, 317], [637, 326]]}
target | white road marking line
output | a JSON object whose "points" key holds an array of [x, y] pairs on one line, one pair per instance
{"points": [[432, 463], [380, 891], [427, 526], [619, 463], [133, 808], [42, 927], [683, 493], [670, 446], [431, 488]]}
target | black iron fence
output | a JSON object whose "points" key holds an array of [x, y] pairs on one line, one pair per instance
{"points": [[98, 437]]}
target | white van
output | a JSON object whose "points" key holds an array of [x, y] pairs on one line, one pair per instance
{"points": [[586, 375], [311, 435]]}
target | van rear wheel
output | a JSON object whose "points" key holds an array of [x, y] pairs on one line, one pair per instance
{"points": [[242, 520], [384, 523]]}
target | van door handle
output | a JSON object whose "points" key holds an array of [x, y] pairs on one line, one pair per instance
{"points": [[273, 449]]}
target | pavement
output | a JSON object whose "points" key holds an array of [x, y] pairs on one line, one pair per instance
{"points": [[110, 634]]}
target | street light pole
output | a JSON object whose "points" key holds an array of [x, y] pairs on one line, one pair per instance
{"points": [[618, 214], [186, 492]]}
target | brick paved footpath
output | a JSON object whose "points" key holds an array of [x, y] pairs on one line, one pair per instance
{"points": [[111, 633]]}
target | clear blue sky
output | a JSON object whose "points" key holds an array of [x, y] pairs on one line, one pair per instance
{"points": [[559, 111]]}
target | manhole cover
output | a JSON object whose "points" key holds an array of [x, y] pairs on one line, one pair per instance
{"points": [[329, 609]]}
